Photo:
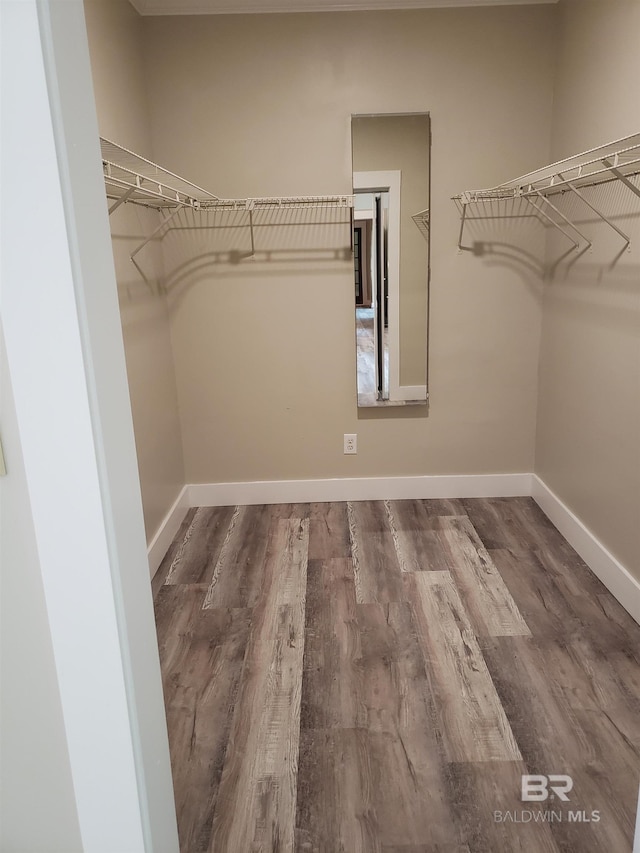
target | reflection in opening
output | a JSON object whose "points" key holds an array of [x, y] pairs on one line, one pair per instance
{"points": [[391, 178], [370, 244]]}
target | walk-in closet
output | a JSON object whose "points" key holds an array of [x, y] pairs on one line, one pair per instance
{"points": [[320, 473]]}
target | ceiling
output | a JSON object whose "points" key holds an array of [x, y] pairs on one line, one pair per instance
{"points": [[228, 7]]}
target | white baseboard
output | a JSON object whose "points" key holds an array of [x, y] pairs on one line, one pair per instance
{"points": [[602, 563], [410, 392], [605, 566], [360, 489], [165, 534]]}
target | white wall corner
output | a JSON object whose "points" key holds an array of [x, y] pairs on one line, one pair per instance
{"points": [[166, 532], [617, 579]]}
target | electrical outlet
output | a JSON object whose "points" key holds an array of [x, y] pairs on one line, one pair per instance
{"points": [[350, 442]]}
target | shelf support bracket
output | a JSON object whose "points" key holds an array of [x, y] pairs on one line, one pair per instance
{"points": [[122, 200], [253, 245], [634, 189], [565, 219], [552, 221], [461, 247], [164, 222], [599, 213]]}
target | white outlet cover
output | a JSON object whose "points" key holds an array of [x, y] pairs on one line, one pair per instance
{"points": [[350, 443]]}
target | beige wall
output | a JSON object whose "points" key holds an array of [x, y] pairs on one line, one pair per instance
{"points": [[117, 59], [402, 143], [263, 351], [264, 354], [588, 448]]}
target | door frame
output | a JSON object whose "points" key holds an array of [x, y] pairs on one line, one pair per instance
{"points": [[65, 358]]}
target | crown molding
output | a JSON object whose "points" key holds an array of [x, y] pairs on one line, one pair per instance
{"points": [[253, 7]]}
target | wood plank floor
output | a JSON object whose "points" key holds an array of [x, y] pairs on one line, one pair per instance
{"points": [[378, 676]]}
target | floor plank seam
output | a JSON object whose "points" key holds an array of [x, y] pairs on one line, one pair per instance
{"points": [[390, 693], [222, 556], [183, 546]]}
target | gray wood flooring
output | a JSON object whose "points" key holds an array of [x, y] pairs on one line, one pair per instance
{"points": [[379, 676]]}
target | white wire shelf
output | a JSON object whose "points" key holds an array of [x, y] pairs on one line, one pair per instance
{"points": [[132, 179], [129, 177], [280, 203], [421, 220], [614, 161]]}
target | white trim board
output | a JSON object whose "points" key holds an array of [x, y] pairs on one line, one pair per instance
{"points": [[412, 393], [602, 563], [360, 489], [339, 489], [235, 7], [167, 530]]}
